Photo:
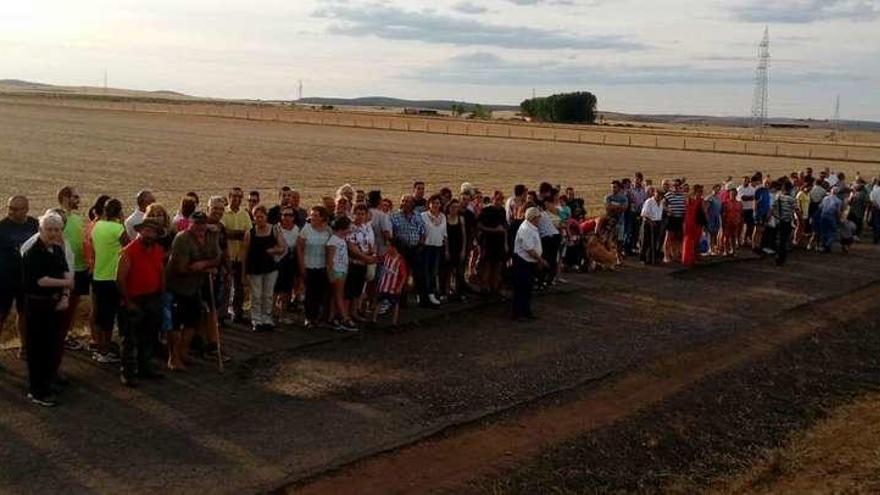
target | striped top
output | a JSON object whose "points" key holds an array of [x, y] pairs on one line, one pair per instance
{"points": [[394, 275], [676, 204], [783, 207]]}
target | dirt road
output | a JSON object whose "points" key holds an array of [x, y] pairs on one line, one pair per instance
{"points": [[295, 405]]}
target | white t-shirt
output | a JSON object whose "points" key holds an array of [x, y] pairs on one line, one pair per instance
{"points": [[652, 210], [875, 196], [133, 221], [527, 239], [290, 238], [435, 233], [381, 222], [340, 256], [746, 191]]}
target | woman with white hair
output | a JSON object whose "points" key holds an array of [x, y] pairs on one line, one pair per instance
{"points": [[527, 254], [45, 281]]}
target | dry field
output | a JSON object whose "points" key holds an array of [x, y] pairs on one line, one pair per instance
{"points": [[113, 152]]}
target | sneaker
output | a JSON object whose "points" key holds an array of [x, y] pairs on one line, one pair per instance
{"points": [[308, 324], [42, 401], [107, 358], [72, 344], [384, 307], [433, 300], [350, 326], [113, 356], [337, 325]]}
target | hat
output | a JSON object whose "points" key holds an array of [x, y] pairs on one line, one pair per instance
{"points": [[731, 186], [467, 187], [198, 217], [532, 213], [151, 223]]}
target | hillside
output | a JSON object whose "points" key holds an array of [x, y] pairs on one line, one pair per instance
{"points": [[384, 101]]}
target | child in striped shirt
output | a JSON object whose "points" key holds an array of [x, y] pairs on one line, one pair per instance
{"points": [[394, 276]]}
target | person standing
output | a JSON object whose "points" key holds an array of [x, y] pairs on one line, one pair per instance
{"points": [[435, 245], [731, 221], [43, 269], [237, 221], [108, 238], [526, 255], [652, 218], [285, 199], [337, 272], [221, 280], [829, 216], [675, 206], [262, 244], [784, 209], [746, 194], [194, 255], [361, 253], [288, 271], [452, 276], [492, 235], [409, 234], [713, 218], [15, 229], [144, 199], [141, 282], [74, 234], [875, 209], [311, 249], [694, 221], [638, 194], [420, 203]]}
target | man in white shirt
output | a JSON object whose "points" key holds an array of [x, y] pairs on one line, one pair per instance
{"points": [[746, 195], [652, 235], [144, 199], [527, 253]]}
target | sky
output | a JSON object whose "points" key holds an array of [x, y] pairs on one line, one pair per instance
{"points": [[658, 56]]}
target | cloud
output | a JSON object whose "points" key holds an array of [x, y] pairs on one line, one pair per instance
{"points": [[392, 23], [469, 8], [481, 68], [804, 11], [550, 2]]}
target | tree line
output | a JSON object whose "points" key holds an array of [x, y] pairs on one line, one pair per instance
{"points": [[569, 108]]}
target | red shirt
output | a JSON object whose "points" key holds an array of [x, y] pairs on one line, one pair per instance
{"points": [[146, 265]]}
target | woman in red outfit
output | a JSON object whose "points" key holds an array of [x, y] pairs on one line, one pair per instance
{"points": [[694, 221]]}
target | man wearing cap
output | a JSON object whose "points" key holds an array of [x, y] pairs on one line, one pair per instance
{"points": [[194, 255], [141, 281], [526, 254]]}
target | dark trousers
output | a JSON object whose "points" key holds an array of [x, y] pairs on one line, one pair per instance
{"points": [[139, 332], [415, 262], [875, 223], [316, 292], [652, 242], [632, 224], [783, 238], [43, 349], [237, 289], [431, 267], [550, 253], [523, 280]]}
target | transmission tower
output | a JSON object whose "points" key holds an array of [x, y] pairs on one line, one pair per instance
{"points": [[835, 121], [762, 73]]}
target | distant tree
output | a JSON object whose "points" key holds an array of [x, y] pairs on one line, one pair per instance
{"points": [[458, 109], [579, 107], [481, 112]]}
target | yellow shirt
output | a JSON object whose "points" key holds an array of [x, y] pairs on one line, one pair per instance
{"points": [[239, 220]]}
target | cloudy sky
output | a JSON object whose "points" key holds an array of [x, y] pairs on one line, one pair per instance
{"points": [[649, 56]]}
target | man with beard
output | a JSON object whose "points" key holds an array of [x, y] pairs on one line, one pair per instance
{"points": [[74, 234], [285, 198], [141, 281]]}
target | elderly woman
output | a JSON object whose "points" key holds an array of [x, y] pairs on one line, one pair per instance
{"points": [[45, 282]]}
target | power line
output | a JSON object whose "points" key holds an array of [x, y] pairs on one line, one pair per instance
{"points": [[762, 72]]}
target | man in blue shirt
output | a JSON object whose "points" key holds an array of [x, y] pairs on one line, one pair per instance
{"points": [[408, 229]]}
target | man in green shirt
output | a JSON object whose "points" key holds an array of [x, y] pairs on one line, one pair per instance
{"points": [[108, 238], [74, 233]]}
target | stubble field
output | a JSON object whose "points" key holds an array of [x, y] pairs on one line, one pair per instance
{"points": [[118, 153]]}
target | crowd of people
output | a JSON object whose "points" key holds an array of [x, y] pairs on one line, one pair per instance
{"points": [[167, 283]]}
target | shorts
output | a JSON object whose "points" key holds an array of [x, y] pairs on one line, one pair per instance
{"points": [[186, 311], [354, 283], [337, 275], [8, 295], [82, 281], [760, 220], [675, 225], [106, 298], [749, 217]]}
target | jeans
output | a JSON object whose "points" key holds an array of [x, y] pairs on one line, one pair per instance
{"points": [[262, 297], [828, 224], [550, 247], [139, 333], [431, 266], [317, 287], [414, 257], [236, 289], [523, 280]]}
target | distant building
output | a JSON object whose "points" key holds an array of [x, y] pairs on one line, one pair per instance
{"points": [[420, 111]]}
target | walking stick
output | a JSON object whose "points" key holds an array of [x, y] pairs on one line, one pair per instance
{"points": [[215, 325]]}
